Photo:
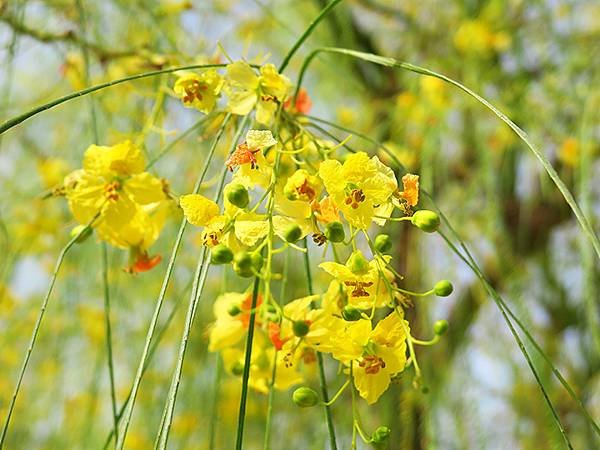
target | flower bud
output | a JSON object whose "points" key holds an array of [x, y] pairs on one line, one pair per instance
{"points": [[426, 220], [292, 233], [350, 313], [357, 263], [300, 328], [380, 435], [334, 232], [83, 236], [237, 195], [234, 310], [440, 327], [383, 243], [443, 288], [221, 254], [305, 397], [242, 264]]}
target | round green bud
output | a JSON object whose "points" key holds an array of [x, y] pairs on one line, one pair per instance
{"points": [[221, 254], [257, 261], [381, 435], [443, 288], [357, 263], [424, 389], [289, 191], [237, 195], [334, 232], [383, 243], [426, 220], [300, 328], [234, 310], [440, 327], [350, 313], [238, 369], [305, 397], [292, 233], [83, 236], [242, 264]]}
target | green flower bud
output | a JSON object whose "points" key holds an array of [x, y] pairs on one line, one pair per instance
{"points": [[334, 232], [443, 288], [350, 313], [381, 435], [221, 254], [289, 190], [357, 263], [237, 195], [242, 264], [292, 233], [83, 237], [234, 310], [237, 369], [440, 327], [426, 220], [300, 328], [305, 397], [383, 243]]}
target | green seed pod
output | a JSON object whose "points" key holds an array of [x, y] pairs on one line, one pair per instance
{"points": [[443, 288], [234, 310], [334, 232], [292, 233], [383, 243], [221, 254], [440, 327], [83, 237], [426, 220], [237, 195], [300, 328], [305, 397], [381, 435], [350, 313], [357, 263]]}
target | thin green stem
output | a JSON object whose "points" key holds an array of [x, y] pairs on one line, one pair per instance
{"points": [[109, 349], [321, 366], [307, 33], [37, 325], [338, 393], [247, 362], [197, 289], [267, 438], [159, 302], [83, 92]]}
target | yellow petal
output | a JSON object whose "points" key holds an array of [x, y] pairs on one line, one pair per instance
{"points": [[197, 209]]}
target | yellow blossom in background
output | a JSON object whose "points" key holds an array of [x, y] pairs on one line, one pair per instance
{"points": [[361, 188], [247, 90], [199, 91], [477, 37], [568, 153], [52, 171]]}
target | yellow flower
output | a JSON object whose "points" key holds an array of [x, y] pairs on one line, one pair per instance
{"points": [[376, 354], [476, 37], [247, 90], [199, 91], [302, 186], [568, 152], [52, 171], [366, 286], [198, 210], [232, 311], [361, 188], [112, 183]]}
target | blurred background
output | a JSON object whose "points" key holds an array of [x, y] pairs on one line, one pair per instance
{"points": [[536, 60]]}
